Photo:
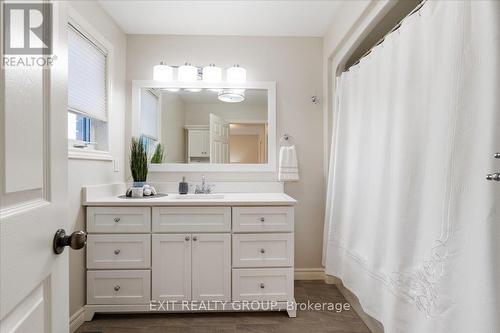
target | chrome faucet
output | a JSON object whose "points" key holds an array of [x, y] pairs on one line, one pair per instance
{"points": [[204, 188]]}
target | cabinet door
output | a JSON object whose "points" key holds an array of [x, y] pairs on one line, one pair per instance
{"points": [[197, 143], [171, 267], [211, 267], [206, 143]]}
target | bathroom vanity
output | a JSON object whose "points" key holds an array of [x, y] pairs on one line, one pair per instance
{"points": [[212, 252]]}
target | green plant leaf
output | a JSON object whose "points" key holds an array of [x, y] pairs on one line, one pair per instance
{"points": [[138, 160]]}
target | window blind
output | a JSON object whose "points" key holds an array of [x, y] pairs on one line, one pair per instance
{"points": [[86, 76], [149, 114]]}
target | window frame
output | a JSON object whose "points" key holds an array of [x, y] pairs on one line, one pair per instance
{"points": [[90, 151]]}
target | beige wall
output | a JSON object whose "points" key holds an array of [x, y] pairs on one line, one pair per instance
{"points": [[88, 172], [199, 114], [173, 118], [295, 63]]}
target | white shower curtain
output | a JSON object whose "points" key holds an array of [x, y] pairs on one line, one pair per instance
{"points": [[413, 226]]}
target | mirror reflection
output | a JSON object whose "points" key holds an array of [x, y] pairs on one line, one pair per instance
{"points": [[225, 126]]}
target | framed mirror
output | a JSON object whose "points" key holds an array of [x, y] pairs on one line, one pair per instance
{"points": [[206, 127]]}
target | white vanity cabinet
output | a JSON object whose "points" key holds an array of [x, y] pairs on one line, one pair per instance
{"points": [[196, 252], [191, 267]]}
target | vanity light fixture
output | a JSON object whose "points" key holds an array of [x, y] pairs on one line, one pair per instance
{"points": [[187, 73], [232, 95], [236, 74], [212, 74], [163, 72]]}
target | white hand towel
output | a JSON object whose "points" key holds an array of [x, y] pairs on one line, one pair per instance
{"points": [[288, 167]]}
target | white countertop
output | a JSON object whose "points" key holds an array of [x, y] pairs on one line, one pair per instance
{"points": [[230, 199]]}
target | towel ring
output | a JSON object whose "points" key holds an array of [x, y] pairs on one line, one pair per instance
{"points": [[286, 139]]}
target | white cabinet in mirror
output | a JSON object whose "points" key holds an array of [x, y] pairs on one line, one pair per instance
{"points": [[207, 127]]}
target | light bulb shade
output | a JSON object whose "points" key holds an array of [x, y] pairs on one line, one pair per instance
{"points": [[187, 73], [236, 74], [232, 95], [163, 73], [212, 74]]}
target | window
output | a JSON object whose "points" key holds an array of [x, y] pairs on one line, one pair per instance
{"points": [[87, 91], [149, 114], [149, 144], [150, 119], [79, 127]]}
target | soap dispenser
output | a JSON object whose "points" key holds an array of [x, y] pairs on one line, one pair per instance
{"points": [[183, 186]]}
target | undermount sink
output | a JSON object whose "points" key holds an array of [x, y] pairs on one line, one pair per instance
{"points": [[192, 196]]}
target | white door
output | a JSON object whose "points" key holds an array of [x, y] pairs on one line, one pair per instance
{"points": [[171, 267], [211, 267], [33, 166], [219, 140]]}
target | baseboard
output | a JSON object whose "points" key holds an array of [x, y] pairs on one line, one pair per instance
{"points": [[77, 319], [309, 274]]}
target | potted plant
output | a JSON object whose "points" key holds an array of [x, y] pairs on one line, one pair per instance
{"points": [[138, 162], [157, 157]]}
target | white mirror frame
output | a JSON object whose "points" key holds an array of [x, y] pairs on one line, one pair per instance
{"points": [[270, 86]]}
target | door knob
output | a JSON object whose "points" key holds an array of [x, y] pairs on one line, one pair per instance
{"points": [[497, 155], [493, 176], [76, 240]]}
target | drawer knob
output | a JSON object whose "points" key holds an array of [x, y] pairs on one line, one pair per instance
{"points": [[262, 250], [117, 251], [117, 288], [262, 219], [195, 238], [116, 219], [187, 238], [262, 286]]}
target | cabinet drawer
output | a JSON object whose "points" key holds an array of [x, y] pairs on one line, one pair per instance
{"points": [[191, 219], [119, 251], [265, 284], [118, 287], [262, 250], [118, 219], [262, 219]]}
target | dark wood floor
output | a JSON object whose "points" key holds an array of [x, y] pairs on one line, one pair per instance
{"points": [[259, 322]]}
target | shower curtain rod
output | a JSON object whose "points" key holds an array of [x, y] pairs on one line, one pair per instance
{"points": [[381, 40]]}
